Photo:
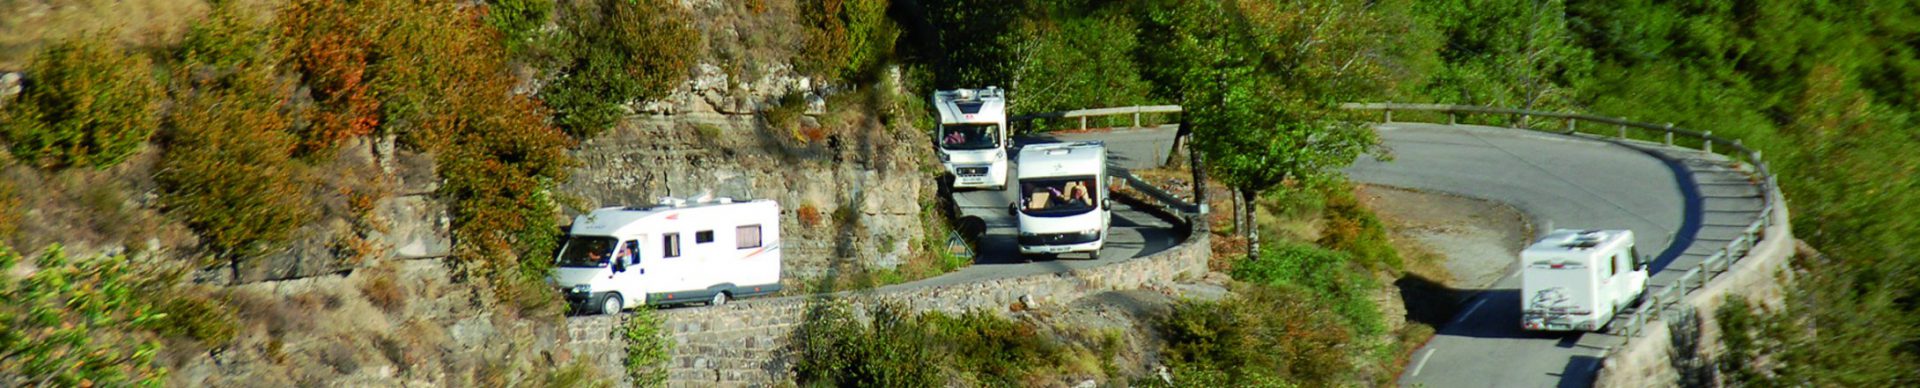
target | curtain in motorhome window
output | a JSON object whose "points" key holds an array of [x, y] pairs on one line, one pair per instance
{"points": [[747, 236], [672, 248], [703, 237]]}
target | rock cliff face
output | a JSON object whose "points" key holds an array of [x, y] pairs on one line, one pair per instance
{"points": [[850, 189]]}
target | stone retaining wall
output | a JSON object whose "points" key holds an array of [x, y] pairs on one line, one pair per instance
{"points": [[1647, 361], [744, 343]]}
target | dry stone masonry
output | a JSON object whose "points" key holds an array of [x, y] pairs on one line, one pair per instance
{"points": [[745, 343]]}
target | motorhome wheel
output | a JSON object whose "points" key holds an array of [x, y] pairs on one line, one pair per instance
{"points": [[612, 305], [719, 298]]}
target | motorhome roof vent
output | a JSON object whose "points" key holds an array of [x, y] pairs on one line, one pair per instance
{"points": [[1587, 239], [673, 202]]}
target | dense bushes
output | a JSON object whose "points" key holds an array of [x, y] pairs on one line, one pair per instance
{"points": [[1075, 62], [520, 21], [894, 347], [227, 171], [845, 38], [1264, 336], [87, 104], [91, 322], [1332, 277], [615, 52]]}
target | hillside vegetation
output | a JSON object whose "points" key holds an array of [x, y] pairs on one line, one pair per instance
{"points": [[155, 186]]}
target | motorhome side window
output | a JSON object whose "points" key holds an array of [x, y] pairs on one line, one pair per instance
{"points": [[703, 237], [672, 245], [1619, 260], [747, 236]]}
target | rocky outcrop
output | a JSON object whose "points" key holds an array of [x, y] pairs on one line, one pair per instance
{"points": [[849, 188]]}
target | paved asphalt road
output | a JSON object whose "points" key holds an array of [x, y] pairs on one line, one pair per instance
{"points": [[1560, 182], [1133, 234]]}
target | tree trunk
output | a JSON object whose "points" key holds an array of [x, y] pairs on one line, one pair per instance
{"points": [[1199, 174], [1253, 227], [1237, 224]]}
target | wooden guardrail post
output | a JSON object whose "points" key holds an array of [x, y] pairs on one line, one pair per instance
{"points": [[1136, 118], [1623, 131], [1083, 123], [1452, 118], [1708, 142], [1571, 128], [1669, 134], [1388, 116]]}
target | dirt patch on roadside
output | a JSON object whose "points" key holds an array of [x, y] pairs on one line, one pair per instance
{"points": [[1477, 240]]}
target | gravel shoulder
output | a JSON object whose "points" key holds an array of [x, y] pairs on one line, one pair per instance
{"points": [[1479, 239]]}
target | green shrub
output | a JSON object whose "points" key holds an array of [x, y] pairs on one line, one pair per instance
{"points": [[1354, 229], [519, 21], [1265, 336], [87, 103], [890, 350], [992, 350], [227, 171], [78, 322], [1076, 63], [195, 314], [224, 39], [649, 347], [613, 52], [845, 38], [1329, 276]]}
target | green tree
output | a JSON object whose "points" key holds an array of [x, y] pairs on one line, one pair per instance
{"points": [[845, 38], [87, 103], [616, 52], [228, 170], [971, 51], [1074, 62], [1508, 54], [1262, 82]]}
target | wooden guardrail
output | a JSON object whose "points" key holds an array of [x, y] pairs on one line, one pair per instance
{"points": [[1694, 278]]}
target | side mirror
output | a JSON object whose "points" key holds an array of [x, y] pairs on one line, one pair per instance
{"points": [[1013, 209], [619, 265], [1106, 203]]}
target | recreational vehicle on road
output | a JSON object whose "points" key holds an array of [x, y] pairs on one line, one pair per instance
{"points": [[1578, 279], [972, 136], [1063, 205], [673, 253]]}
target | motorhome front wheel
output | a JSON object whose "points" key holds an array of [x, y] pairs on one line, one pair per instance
{"points": [[612, 305]]}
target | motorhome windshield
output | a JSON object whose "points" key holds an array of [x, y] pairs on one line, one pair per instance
{"points": [[1061, 196], [586, 252], [969, 136]]}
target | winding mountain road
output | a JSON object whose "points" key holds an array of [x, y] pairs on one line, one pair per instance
{"points": [[1677, 201], [1134, 233]]}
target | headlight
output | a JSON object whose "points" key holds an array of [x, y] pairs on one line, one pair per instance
{"points": [[944, 157], [583, 289]]}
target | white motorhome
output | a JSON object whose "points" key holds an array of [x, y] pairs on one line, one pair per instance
{"points": [[972, 136], [1063, 205], [677, 252], [1578, 279]]}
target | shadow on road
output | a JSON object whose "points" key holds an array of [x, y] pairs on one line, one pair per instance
{"points": [[1428, 301], [1692, 215], [1579, 372]]}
